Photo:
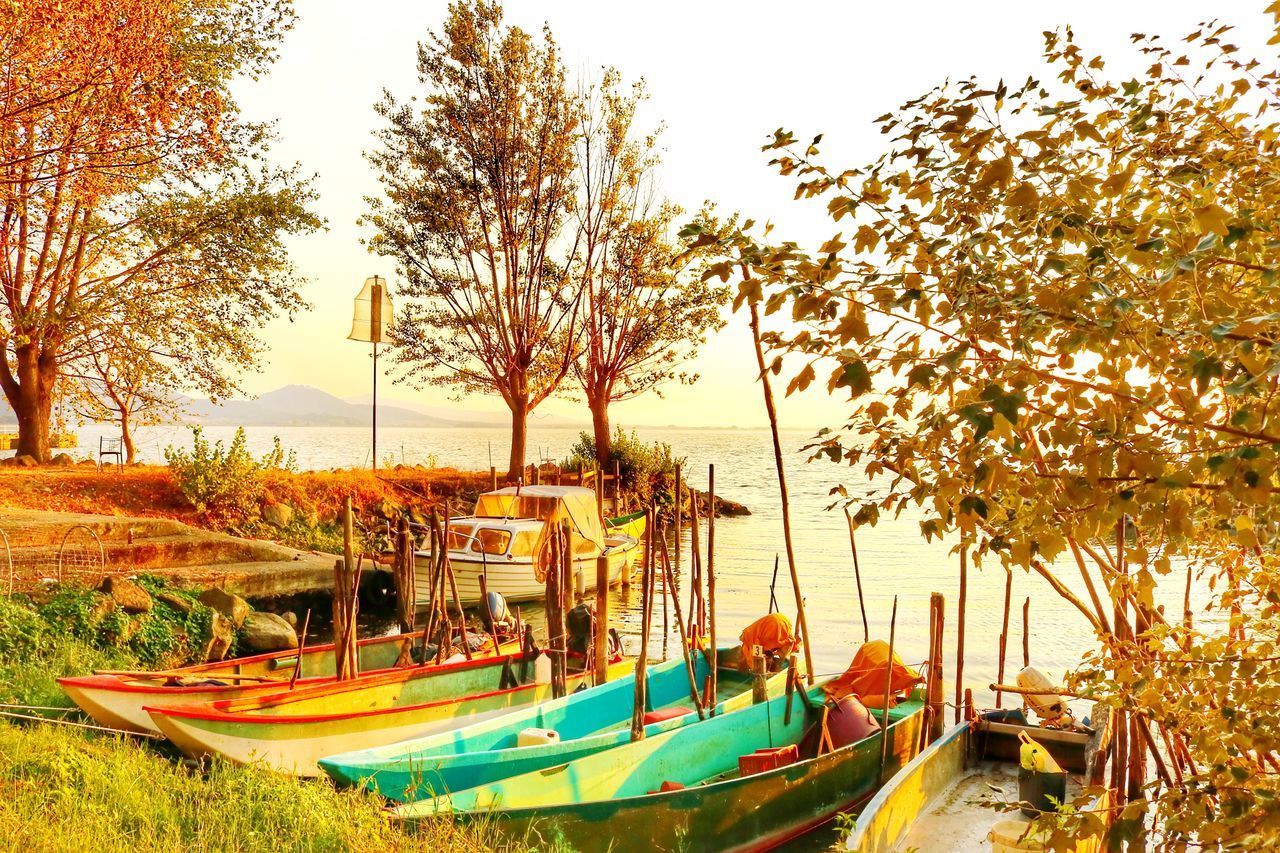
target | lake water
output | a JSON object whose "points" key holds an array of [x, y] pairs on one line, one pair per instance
{"points": [[895, 559]]}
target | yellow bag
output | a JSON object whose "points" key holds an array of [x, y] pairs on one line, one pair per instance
{"points": [[1033, 756]]}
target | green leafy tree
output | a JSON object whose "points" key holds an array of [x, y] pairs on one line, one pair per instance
{"points": [[129, 182], [478, 194], [645, 311], [1052, 309]]}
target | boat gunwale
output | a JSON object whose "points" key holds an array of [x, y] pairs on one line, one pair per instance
{"points": [[221, 710], [698, 790], [877, 803]]}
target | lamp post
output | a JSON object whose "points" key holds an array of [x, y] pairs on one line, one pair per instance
{"points": [[372, 319]]}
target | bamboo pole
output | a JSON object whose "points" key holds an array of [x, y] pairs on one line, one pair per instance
{"points": [[888, 684], [857, 576], [960, 605], [641, 685], [679, 513], [937, 605], [1004, 630], [713, 651], [1026, 632], [555, 617], [695, 569], [782, 486], [302, 649], [684, 640], [453, 587], [602, 619]]}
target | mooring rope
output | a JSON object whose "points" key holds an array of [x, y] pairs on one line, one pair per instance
{"points": [[39, 719]]}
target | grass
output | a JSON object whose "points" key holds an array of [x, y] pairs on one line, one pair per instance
{"points": [[64, 788]]}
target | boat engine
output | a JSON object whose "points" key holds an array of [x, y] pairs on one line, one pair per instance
{"points": [[495, 613], [580, 623]]}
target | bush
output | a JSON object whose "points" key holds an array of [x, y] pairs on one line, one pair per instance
{"points": [[638, 463], [225, 484]]}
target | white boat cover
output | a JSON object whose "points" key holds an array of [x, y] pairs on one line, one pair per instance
{"points": [[575, 504]]}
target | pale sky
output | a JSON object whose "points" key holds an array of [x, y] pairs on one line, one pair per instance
{"points": [[721, 75]]}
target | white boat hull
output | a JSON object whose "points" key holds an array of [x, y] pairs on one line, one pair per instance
{"points": [[514, 578]]}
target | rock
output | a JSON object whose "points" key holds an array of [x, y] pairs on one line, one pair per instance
{"points": [[180, 603], [267, 632], [62, 460], [102, 607], [383, 509], [221, 636], [277, 514], [25, 461], [127, 595], [83, 462], [291, 618], [231, 606], [726, 507]]}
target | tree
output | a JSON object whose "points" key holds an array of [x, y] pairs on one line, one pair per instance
{"points": [[127, 383], [478, 191], [126, 179], [643, 314], [1055, 324]]}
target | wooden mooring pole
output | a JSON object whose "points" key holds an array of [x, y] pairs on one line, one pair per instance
{"points": [[782, 487], [602, 619], [684, 639], [888, 684], [646, 619], [960, 614], [712, 652], [1004, 631], [857, 576]]}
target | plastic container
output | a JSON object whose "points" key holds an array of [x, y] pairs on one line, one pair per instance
{"points": [[1010, 836], [1040, 791], [850, 722], [542, 670], [763, 760], [662, 714], [537, 737]]}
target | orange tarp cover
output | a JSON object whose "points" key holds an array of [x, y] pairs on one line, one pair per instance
{"points": [[771, 633], [865, 677]]}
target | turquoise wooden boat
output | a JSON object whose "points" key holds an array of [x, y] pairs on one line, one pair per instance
{"points": [[682, 790], [586, 722]]}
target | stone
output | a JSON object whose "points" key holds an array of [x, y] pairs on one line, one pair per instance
{"points": [[102, 607], [732, 508], [127, 595], [221, 636], [291, 618], [62, 460], [228, 604], [267, 632], [277, 514], [180, 603]]}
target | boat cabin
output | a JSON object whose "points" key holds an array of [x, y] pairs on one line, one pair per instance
{"points": [[510, 523]]}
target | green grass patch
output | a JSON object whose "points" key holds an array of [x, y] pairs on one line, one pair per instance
{"points": [[64, 788]]}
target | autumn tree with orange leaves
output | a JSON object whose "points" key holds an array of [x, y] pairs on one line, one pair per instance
{"points": [[127, 179]]}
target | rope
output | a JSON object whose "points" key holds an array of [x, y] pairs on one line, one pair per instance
{"points": [[38, 719]]}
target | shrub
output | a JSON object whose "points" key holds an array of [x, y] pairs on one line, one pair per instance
{"points": [[224, 483], [638, 463]]}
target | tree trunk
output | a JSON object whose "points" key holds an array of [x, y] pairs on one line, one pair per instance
{"points": [[126, 438], [519, 437], [32, 401], [600, 423]]}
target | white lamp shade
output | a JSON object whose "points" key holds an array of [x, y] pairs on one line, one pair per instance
{"points": [[373, 312]]}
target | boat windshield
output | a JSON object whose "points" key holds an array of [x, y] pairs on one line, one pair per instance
{"points": [[491, 540]]}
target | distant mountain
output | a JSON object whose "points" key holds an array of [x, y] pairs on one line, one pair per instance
{"points": [[302, 405], [497, 418]]}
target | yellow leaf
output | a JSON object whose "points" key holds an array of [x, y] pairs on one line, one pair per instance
{"points": [[1213, 218]]}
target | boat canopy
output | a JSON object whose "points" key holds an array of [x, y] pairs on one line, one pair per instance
{"points": [[574, 504]]}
